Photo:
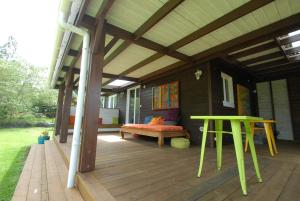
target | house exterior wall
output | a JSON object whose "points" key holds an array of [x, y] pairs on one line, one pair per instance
{"points": [[238, 77], [193, 96], [193, 99], [294, 97]]}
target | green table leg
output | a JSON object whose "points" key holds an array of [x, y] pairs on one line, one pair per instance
{"points": [[219, 128], [252, 149], [204, 135], [237, 138]]}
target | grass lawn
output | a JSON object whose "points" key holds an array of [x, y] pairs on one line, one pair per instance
{"points": [[14, 147]]}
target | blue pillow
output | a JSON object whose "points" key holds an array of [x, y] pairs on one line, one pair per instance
{"points": [[148, 119]]}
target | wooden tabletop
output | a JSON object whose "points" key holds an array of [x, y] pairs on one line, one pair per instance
{"points": [[228, 118]]}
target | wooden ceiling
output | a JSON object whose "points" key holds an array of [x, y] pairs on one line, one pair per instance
{"points": [[156, 37]]}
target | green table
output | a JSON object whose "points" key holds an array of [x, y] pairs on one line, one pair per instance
{"points": [[235, 122]]}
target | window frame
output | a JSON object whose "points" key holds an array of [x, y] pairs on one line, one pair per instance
{"points": [[228, 91]]}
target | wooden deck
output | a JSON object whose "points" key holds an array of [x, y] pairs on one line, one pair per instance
{"points": [[136, 169], [44, 177]]}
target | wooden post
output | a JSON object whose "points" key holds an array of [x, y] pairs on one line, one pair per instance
{"points": [[92, 102], [66, 107], [60, 100]]}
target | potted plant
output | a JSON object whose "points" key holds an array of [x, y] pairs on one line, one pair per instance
{"points": [[45, 135]]}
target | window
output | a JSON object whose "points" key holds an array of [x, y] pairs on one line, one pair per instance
{"points": [[102, 101], [227, 90], [112, 101]]}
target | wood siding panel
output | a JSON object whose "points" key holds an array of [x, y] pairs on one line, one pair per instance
{"points": [[121, 105], [193, 99], [294, 97], [238, 77]]}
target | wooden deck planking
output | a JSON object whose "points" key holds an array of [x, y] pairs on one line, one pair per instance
{"points": [[23, 183], [135, 169], [43, 177]]}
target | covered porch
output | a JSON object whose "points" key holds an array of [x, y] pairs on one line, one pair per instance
{"points": [[241, 58]]}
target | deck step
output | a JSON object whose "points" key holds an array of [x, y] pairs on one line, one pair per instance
{"points": [[30, 182], [44, 177]]}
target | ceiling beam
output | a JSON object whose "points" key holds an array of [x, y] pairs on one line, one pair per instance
{"points": [[279, 72], [130, 37], [271, 28], [254, 50], [66, 69], [289, 39], [110, 45], [154, 19], [112, 76], [263, 38], [220, 22], [262, 58], [227, 18], [293, 50], [267, 65], [264, 33], [105, 7], [295, 58], [73, 53], [137, 66], [277, 69]]}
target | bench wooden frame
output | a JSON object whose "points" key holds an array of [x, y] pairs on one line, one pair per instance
{"points": [[161, 135]]}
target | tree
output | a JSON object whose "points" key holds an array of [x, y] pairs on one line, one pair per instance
{"points": [[23, 87], [8, 50]]}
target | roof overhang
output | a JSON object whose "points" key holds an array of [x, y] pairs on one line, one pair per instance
{"points": [[154, 37]]}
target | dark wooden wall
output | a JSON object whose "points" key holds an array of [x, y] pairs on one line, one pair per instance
{"points": [[193, 99], [238, 77], [294, 97], [121, 105]]}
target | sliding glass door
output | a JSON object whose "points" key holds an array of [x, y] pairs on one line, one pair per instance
{"points": [[133, 105]]}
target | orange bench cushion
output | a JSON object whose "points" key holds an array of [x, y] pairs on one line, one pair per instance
{"points": [[154, 127]]}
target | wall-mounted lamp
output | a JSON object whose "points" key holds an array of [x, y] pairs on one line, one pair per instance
{"points": [[198, 74]]}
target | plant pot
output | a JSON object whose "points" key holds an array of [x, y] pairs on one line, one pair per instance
{"points": [[41, 140]]}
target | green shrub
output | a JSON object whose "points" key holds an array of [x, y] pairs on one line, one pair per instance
{"points": [[26, 122]]}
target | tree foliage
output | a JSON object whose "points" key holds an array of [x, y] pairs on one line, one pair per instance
{"points": [[23, 89]]}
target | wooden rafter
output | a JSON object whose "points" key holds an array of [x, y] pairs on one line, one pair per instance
{"points": [[285, 67], [294, 50], [110, 45], [254, 50], [262, 34], [73, 53], [220, 22], [289, 40], [155, 18], [268, 65], [131, 38], [271, 28], [231, 16], [262, 58], [137, 66]]}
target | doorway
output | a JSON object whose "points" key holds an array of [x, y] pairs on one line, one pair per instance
{"points": [[133, 105]]}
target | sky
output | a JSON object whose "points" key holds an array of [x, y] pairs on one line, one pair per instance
{"points": [[33, 24]]}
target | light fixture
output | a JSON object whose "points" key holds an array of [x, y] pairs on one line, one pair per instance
{"points": [[198, 74]]}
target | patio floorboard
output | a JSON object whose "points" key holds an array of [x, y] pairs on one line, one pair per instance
{"points": [[136, 169]]}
